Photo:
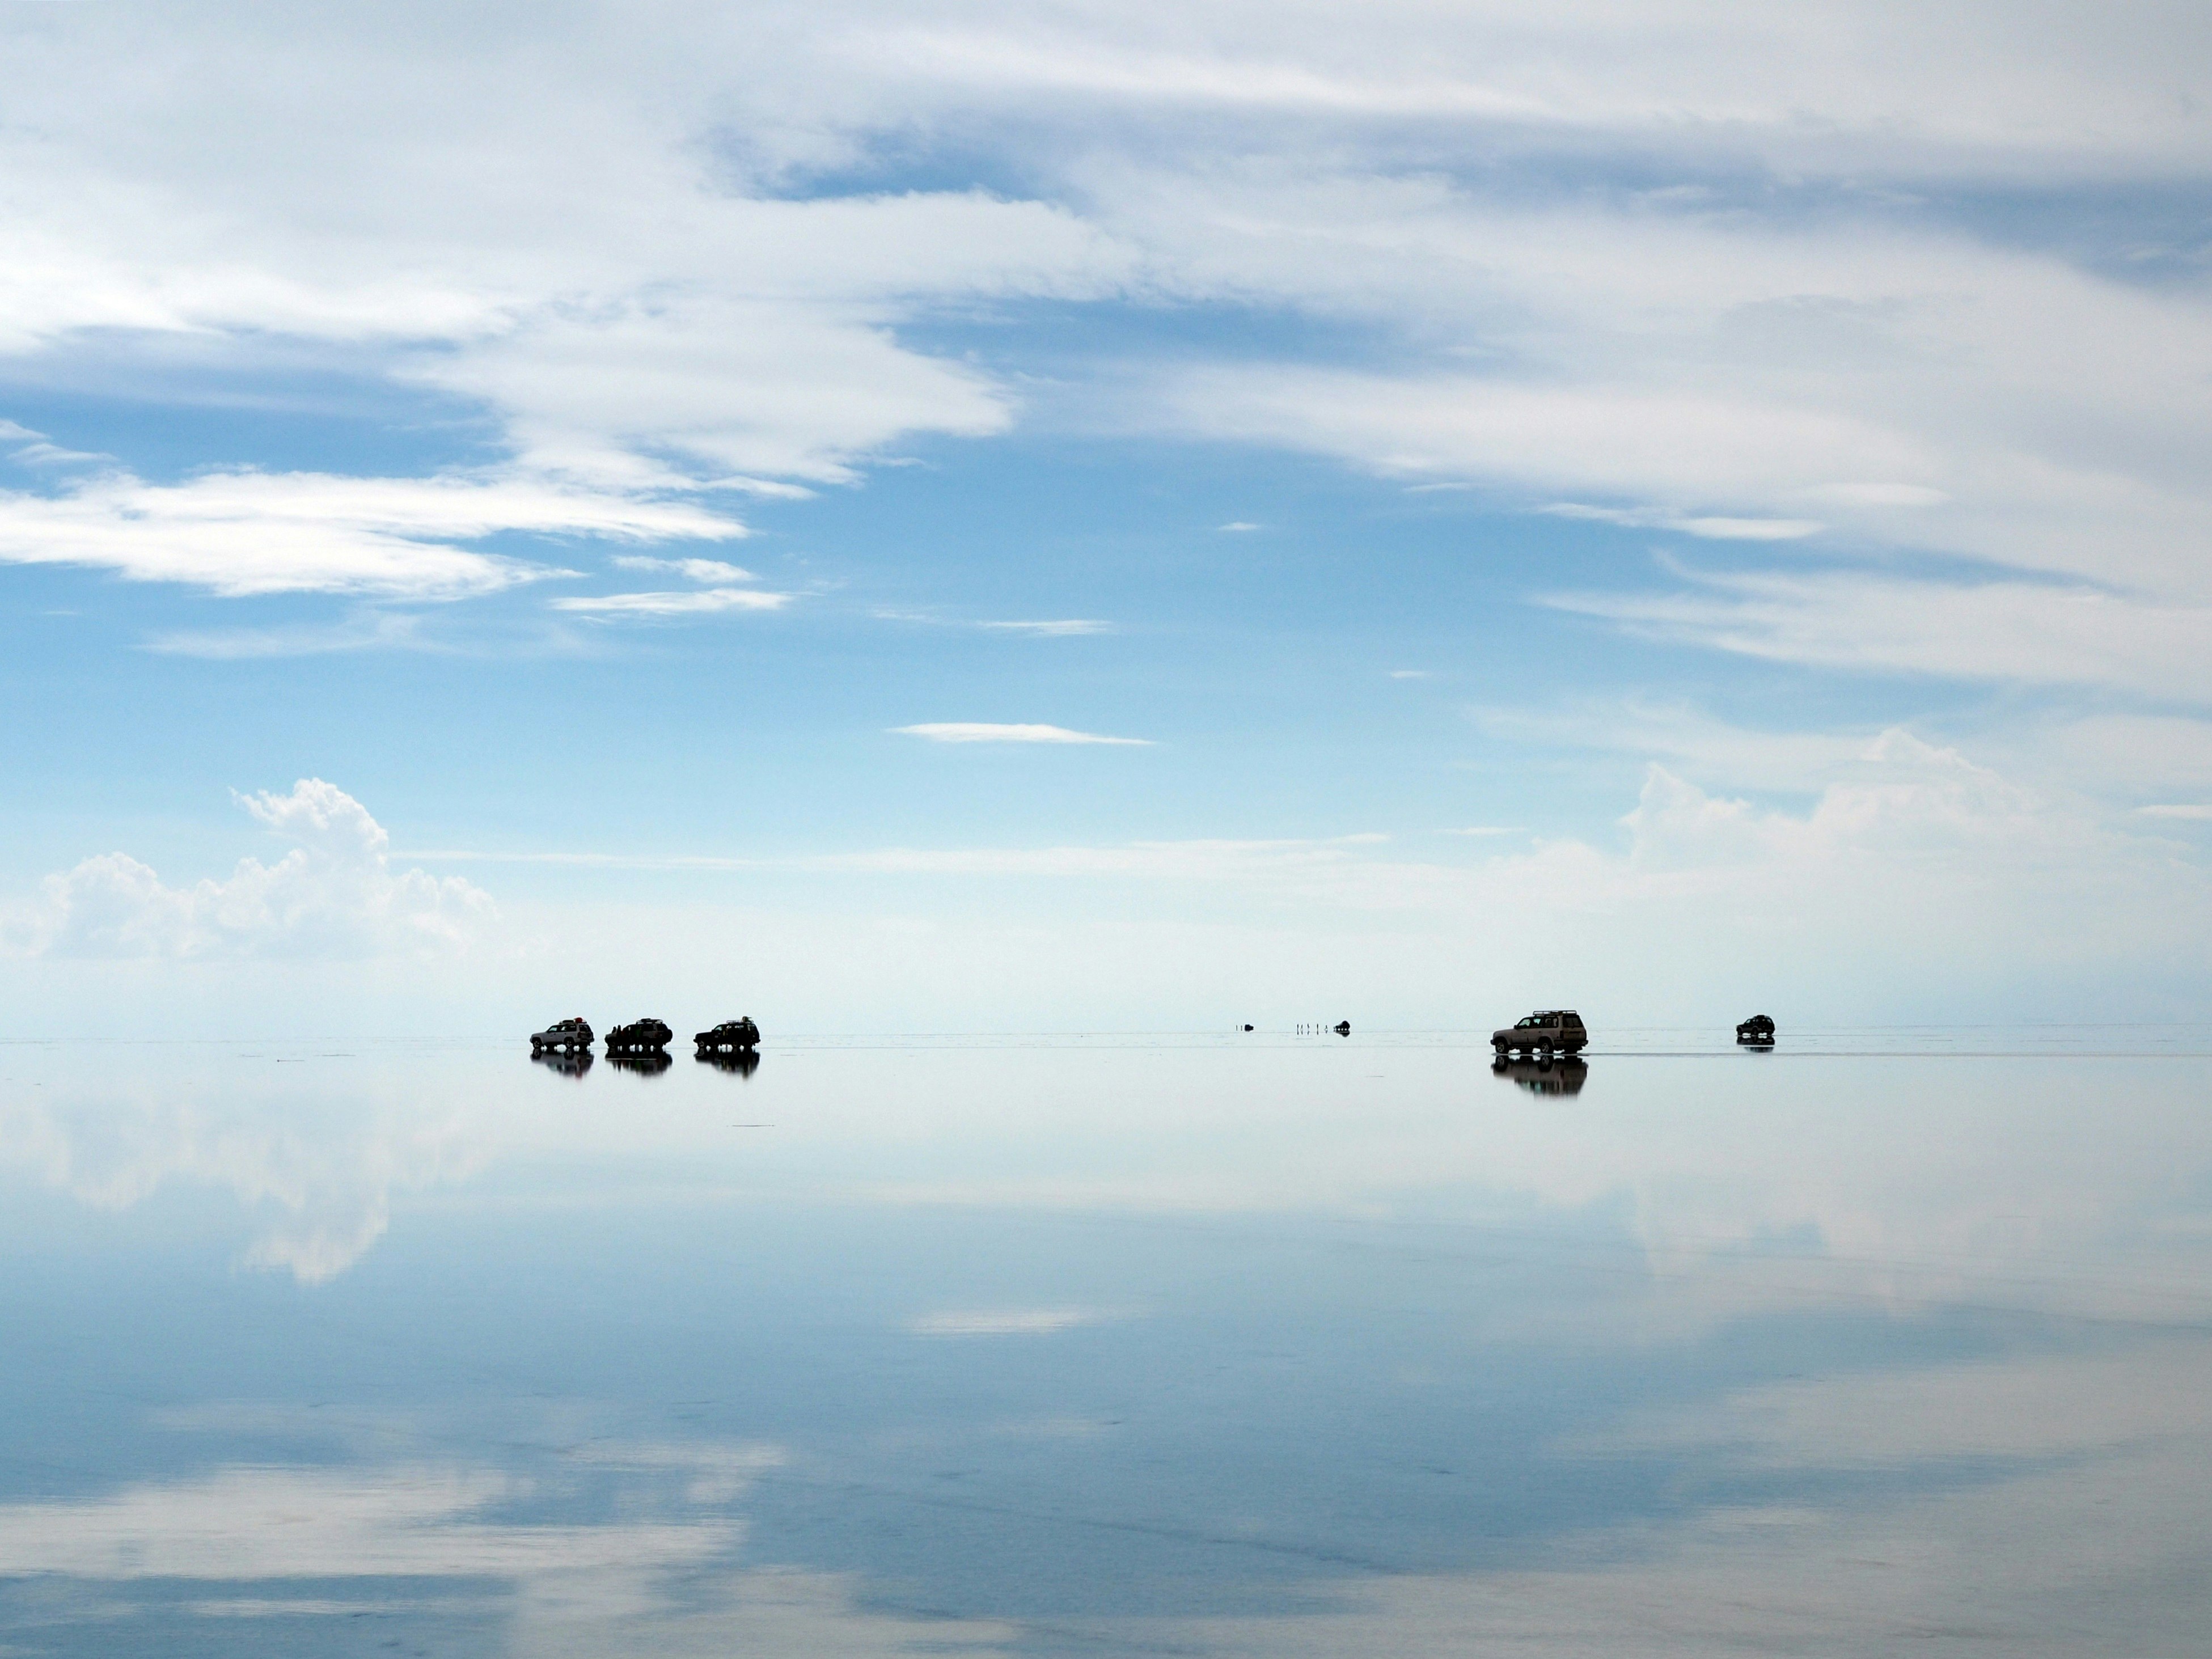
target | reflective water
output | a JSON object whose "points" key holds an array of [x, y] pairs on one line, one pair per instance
{"points": [[1254, 1345]]}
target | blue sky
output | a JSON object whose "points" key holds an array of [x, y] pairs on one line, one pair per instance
{"points": [[695, 486]]}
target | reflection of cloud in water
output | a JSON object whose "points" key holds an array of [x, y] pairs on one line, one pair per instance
{"points": [[2060, 1510], [1009, 1321], [442, 1544], [327, 1166]]}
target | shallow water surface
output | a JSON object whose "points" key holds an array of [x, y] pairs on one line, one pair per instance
{"points": [[1110, 1344]]}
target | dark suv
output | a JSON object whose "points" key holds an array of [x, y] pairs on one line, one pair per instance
{"points": [[731, 1034], [1547, 1031], [640, 1037], [574, 1033]]}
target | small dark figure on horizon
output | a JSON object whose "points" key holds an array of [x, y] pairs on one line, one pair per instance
{"points": [[1756, 1032]]}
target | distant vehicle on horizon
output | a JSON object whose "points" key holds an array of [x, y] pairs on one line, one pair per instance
{"points": [[1546, 1031], [640, 1037], [1758, 1031], [574, 1032], [730, 1033]]}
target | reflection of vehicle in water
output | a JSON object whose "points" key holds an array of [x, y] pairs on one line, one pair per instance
{"points": [[1547, 1031], [731, 1033], [744, 1062], [572, 1033], [640, 1037], [651, 1061], [569, 1063], [1758, 1030], [1564, 1075]]}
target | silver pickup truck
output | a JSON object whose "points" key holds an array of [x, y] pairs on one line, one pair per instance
{"points": [[1547, 1031]]}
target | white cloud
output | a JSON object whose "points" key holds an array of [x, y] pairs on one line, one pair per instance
{"points": [[256, 533], [585, 229], [984, 731], [1239, 527], [702, 603], [2192, 811], [47, 454], [706, 571], [1067, 628], [1720, 529], [373, 630], [2033, 633], [335, 894]]}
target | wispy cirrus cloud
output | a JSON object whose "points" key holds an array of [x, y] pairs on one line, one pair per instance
{"points": [[245, 533], [2044, 633], [705, 571], [987, 732], [1719, 527], [702, 601], [369, 631], [1066, 628]]}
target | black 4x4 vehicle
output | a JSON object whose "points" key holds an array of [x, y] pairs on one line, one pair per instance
{"points": [[640, 1037], [1554, 1031], [731, 1034], [573, 1033]]}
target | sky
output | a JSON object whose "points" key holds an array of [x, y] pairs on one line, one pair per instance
{"points": [[970, 516]]}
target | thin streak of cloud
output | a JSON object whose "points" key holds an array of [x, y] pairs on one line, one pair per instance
{"points": [[1066, 629], [1710, 526], [2187, 811], [705, 603], [245, 533], [47, 454], [987, 732], [705, 572], [1239, 527], [377, 631]]}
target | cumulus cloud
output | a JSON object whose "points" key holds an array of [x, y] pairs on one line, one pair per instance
{"points": [[985, 731], [335, 895], [257, 532]]}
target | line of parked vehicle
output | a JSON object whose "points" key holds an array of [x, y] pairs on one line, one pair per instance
{"points": [[644, 1036], [1547, 1032], [1550, 1031]]}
